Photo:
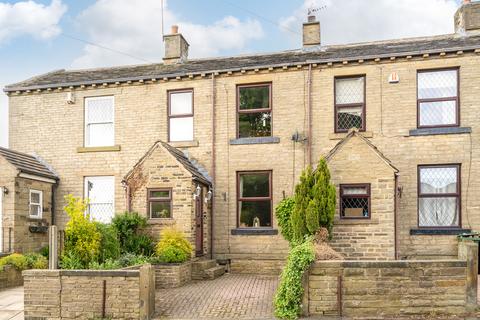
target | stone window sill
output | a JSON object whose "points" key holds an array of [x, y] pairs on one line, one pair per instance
{"points": [[255, 140], [438, 131], [164, 221], [99, 149], [184, 144], [438, 232], [355, 221], [340, 136], [254, 232]]}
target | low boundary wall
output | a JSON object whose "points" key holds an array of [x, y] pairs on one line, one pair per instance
{"points": [[366, 289], [10, 277], [89, 294]]}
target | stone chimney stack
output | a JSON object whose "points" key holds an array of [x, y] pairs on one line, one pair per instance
{"points": [[176, 47], [467, 17], [311, 32]]}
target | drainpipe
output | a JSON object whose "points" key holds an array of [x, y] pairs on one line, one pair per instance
{"points": [[54, 189], [128, 204], [395, 217], [309, 107], [212, 211]]}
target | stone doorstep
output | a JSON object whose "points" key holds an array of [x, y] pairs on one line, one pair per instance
{"points": [[199, 268], [215, 272]]}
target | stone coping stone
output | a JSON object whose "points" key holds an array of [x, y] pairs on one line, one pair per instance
{"points": [[255, 140], [166, 264], [389, 264], [84, 273], [438, 131]]}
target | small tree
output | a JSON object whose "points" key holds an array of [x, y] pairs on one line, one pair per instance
{"points": [[315, 200]]}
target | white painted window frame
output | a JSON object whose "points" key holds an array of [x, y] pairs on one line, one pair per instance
{"points": [[86, 123], [30, 203], [86, 180]]}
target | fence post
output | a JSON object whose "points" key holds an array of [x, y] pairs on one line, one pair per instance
{"points": [[147, 291], [472, 272], [53, 247]]}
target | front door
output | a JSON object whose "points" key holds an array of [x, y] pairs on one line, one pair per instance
{"points": [[199, 224]]}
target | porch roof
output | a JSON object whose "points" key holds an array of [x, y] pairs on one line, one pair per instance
{"points": [[28, 164]]}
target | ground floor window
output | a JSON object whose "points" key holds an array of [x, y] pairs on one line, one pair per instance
{"points": [[35, 204], [254, 199], [100, 191], [355, 201], [159, 203], [439, 196]]}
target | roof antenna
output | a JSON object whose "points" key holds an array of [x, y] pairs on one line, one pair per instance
{"points": [[314, 10]]}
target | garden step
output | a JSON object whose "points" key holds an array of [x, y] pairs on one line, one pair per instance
{"points": [[199, 267], [215, 272]]}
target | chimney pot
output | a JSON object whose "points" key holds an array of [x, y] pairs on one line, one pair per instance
{"points": [[174, 29], [466, 1], [312, 18]]}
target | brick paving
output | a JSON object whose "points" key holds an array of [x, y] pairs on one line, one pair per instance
{"points": [[232, 296]]}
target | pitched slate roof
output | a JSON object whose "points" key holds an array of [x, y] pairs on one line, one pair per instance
{"points": [[190, 165], [26, 163], [320, 54], [352, 133]]}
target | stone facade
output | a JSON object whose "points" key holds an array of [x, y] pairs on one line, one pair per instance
{"points": [[17, 236], [64, 294], [391, 112], [388, 289]]}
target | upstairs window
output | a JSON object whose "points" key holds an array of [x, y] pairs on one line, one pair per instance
{"points": [[100, 191], [439, 196], [99, 115], [355, 201], [36, 204], [180, 115], [254, 110], [349, 103], [159, 203], [254, 199], [437, 98]]}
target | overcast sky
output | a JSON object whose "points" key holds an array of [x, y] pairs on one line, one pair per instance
{"points": [[38, 36]]}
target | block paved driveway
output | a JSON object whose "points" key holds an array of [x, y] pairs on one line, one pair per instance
{"points": [[11, 304], [231, 296]]}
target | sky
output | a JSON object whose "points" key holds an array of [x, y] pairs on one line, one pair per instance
{"points": [[38, 36]]}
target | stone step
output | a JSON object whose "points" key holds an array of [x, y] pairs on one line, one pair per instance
{"points": [[215, 272], [199, 267]]}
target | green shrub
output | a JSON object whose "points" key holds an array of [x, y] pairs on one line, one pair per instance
{"points": [[289, 295], [45, 251], [109, 244], [108, 264], [36, 261], [70, 260], [173, 247], [16, 260], [81, 234], [129, 227], [315, 200], [283, 212], [130, 259]]}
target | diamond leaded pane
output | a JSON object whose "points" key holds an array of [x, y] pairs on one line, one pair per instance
{"points": [[438, 212], [348, 118], [437, 84], [99, 110], [355, 207], [349, 90], [438, 113], [100, 192], [181, 103], [438, 180]]}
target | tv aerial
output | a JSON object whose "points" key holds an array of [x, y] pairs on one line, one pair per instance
{"points": [[314, 10]]}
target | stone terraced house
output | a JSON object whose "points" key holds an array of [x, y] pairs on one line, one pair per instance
{"points": [[212, 145]]}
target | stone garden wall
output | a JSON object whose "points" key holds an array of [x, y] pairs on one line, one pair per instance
{"points": [[172, 275], [89, 294], [10, 277], [388, 288]]}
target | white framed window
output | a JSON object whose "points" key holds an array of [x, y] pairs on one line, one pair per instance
{"points": [[36, 204], [100, 191], [180, 115], [99, 121]]}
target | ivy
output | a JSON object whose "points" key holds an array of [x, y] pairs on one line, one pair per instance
{"points": [[288, 299], [283, 213]]}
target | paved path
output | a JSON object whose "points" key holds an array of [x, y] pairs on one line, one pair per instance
{"points": [[232, 296], [11, 304]]}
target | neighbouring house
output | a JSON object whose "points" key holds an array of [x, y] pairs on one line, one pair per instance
{"points": [[26, 203], [210, 146]]}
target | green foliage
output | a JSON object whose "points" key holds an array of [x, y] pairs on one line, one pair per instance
{"points": [[108, 264], [129, 227], [70, 260], [173, 247], [283, 212], [16, 260], [289, 295], [109, 244], [36, 261], [130, 259], [44, 251], [81, 235], [315, 199]]}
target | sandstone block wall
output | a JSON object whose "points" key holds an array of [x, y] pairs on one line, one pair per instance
{"points": [[10, 277], [172, 275]]}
